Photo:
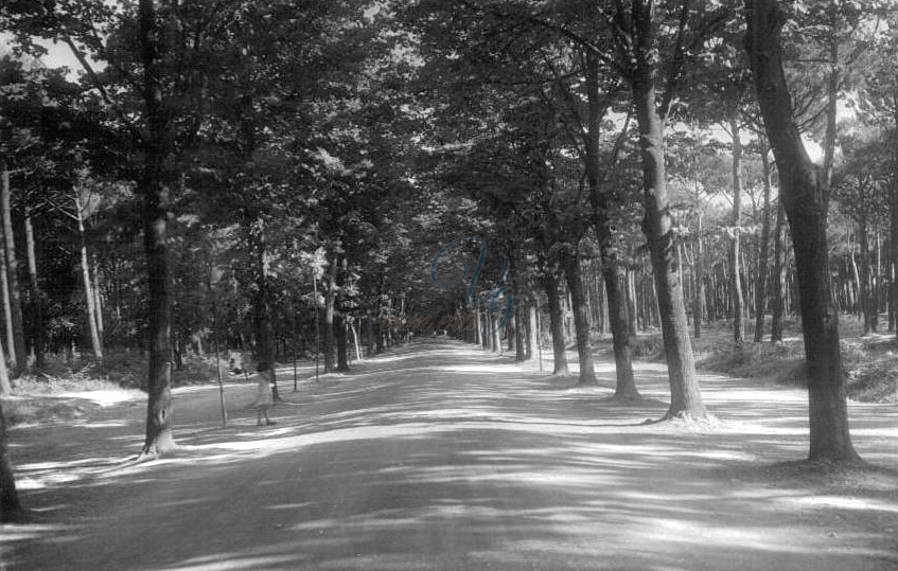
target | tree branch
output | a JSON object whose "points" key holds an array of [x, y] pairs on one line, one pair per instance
{"points": [[104, 93]]}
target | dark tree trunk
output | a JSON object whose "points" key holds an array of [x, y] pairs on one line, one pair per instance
{"points": [[342, 342], [764, 252], [510, 328], [685, 395], [10, 507], [330, 297], [369, 335], [12, 270], [265, 348], [571, 264], [777, 280], [7, 305], [864, 295], [159, 437], [556, 325], [805, 200], [341, 324], [601, 218], [5, 386]]}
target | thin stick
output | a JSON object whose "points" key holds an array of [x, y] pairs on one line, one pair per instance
{"points": [[295, 373], [221, 394], [539, 338], [317, 332]]}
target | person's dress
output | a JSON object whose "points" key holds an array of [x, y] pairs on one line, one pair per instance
{"points": [[263, 395]]}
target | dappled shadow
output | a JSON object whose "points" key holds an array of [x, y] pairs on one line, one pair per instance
{"points": [[440, 456]]}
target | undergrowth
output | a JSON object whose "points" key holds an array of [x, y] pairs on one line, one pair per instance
{"points": [[870, 363], [44, 395]]}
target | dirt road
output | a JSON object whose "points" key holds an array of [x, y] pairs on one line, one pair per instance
{"points": [[439, 456]]}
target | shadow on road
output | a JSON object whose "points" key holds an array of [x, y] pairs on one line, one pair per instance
{"points": [[440, 456]]}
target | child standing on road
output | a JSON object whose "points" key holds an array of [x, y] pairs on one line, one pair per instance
{"points": [[264, 397]]}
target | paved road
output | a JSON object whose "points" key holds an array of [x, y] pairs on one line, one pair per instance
{"points": [[442, 457]]}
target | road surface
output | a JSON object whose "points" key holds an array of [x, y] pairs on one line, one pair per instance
{"points": [[440, 456]]}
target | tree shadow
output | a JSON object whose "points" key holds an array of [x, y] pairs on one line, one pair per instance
{"points": [[429, 464]]}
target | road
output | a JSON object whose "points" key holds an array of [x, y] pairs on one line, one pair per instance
{"points": [[440, 456]]}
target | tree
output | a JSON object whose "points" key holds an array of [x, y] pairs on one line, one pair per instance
{"points": [[10, 507], [641, 70], [761, 287], [157, 147], [602, 204], [804, 195]]}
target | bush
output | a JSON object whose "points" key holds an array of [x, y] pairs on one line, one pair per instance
{"points": [[649, 347], [780, 363], [870, 373]]}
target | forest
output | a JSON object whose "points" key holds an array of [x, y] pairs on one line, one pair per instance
{"points": [[201, 191]]}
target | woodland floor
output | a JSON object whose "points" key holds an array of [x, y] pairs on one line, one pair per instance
{"points": [[440, 456]]}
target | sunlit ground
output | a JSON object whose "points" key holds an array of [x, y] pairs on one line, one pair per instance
{"points": [[441, 456]]}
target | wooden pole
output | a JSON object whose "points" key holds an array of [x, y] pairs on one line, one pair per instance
{"points": [[317, 330], [221, 394], [295, 371], [539, 335]]}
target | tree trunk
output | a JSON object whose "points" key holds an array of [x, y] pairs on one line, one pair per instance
{"points": [[330, 296], [893, 246], [12, 270], [159, 437], [698, 303], [735, 281], [556, 325], [805, 200], [630, 294], [478, 331], [601, 218], [340, 338], [355, 340], [7, 309], [265, 350], [685, 396], [10, 507], [571, 264], [520, 354], [98, 300], [37, 296], [340, 321], [96, 341], [868, 302], [832, 99], [877, 279], [858, 288], [5, 386], [764, 253], [532, 332], [777, 279]]}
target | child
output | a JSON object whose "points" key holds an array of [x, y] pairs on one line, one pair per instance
{"points": [[264, 398]]}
